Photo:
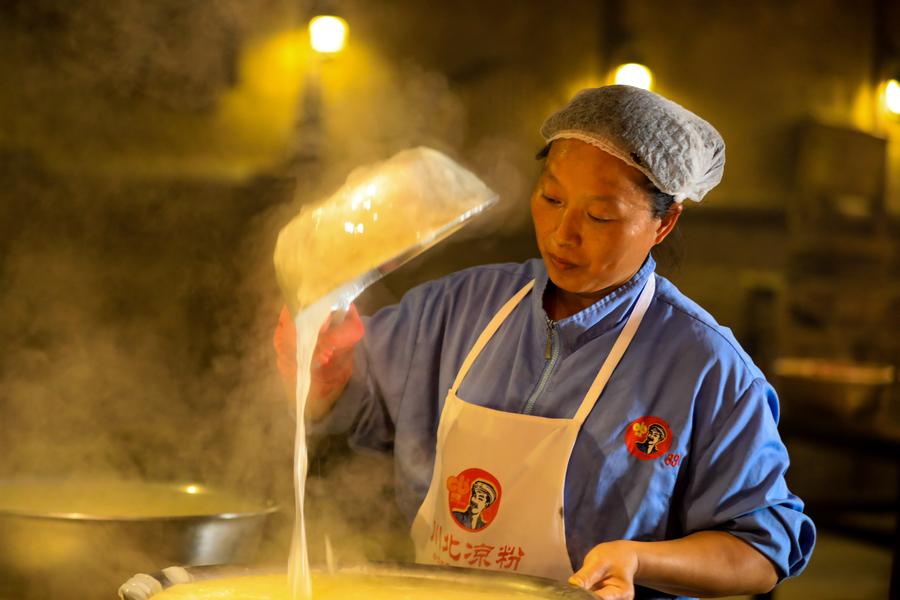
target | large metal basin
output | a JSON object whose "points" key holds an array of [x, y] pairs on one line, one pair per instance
{"points": [[80, 539], [397, 581]]}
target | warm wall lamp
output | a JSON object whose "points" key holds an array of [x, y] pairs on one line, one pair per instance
{"points": [[892, 96], [327, 34], [634, 74]]}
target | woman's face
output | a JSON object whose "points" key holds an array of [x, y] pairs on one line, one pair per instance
{"points": [[593, 220]]}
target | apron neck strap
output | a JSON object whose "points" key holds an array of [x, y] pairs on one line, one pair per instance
{"points": [[618, 350], [488, 332], [606, 370]]}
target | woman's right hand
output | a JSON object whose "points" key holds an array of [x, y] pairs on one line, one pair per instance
{"points": [[332, 360]]}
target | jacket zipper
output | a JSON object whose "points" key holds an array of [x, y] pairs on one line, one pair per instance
{"points": [[551, 355]]}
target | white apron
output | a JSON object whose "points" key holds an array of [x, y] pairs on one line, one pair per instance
{"points": [[496, 494]]}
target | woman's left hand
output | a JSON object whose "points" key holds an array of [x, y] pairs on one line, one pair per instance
{"points": [[704, 563], [608, 571]]}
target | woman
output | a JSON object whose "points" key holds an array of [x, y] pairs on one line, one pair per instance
{"points": [[630, 440]]}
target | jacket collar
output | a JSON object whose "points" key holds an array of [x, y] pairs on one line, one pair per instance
{"points": [[602, 316]]}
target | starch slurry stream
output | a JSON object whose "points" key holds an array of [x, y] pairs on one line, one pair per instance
{"points": [[383, 215], [308, 323]]}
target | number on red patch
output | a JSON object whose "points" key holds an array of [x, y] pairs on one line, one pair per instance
{"points": [[672, 459]]}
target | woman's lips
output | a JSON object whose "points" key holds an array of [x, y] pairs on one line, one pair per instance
{"points": [[561, 263]]}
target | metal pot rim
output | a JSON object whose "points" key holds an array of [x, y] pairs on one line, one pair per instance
{"points": [[76, 516], [447, 574], [264, 508]]}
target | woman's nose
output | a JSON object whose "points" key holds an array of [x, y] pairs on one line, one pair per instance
{"points": [[568, 230]]}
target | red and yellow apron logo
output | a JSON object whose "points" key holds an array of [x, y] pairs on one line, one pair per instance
{"points": [[648, 437], [473, 498]]}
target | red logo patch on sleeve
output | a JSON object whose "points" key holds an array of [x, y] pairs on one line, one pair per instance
{"points": [[648, 437]]}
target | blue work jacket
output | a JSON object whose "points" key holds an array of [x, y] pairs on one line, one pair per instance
{"points": [[723, 468]]}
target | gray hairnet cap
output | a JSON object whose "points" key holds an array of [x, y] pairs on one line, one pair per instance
{"points": [[679, 152]]}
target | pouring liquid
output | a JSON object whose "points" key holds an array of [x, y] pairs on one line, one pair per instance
{"points": [[307, 322], [383, 216]]}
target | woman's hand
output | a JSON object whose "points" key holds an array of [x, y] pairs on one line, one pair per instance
{"points": [[332, 360], [609, 570], [705, 563]]}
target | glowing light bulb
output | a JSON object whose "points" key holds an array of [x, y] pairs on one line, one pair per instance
{"points": [[892, 96], [348, 227], [192, 489], [327, 34], [635, 75]]}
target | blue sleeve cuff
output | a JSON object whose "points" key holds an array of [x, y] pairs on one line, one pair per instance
{"points": [[783, 534]]}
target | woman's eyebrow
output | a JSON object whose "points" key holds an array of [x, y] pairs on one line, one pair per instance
{"points": [[608, 198], [546, 172], [605, 198]]}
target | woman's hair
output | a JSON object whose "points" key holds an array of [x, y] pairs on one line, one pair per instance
{"points": [[660, 202]]}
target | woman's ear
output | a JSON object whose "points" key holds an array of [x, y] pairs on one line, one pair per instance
{"points": [[667, 222]]}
